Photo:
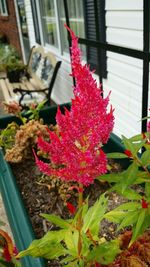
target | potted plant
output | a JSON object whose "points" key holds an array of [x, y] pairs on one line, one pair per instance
{"points": [[11, 63], [15, 71]]}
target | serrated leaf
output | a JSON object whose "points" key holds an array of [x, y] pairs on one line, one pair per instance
{"points": [[142, 177], [129, 219], [130, 176], [71, 241], [105, 253], [139, 224], [116, 155], [127, 193], [56, 220], [145, 159], [115, 216], [129, 206], [111, 177], [94, 215], [48, 246], [87, 242], [128, 144]]}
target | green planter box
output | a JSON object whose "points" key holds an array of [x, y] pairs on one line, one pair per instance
{"points": [[15, 209]]}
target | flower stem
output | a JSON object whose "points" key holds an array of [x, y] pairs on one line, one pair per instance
{"points": [[80, 221]]}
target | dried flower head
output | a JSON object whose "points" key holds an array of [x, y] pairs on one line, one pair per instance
{"points": [[82, 130], [12, 107], [25, 139]]}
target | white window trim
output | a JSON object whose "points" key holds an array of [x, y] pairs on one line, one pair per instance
{"points": [[5, 7], [58, 28]]}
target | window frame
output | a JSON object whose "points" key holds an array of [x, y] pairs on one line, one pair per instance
{"points": [[89, 57], [3, 12]]}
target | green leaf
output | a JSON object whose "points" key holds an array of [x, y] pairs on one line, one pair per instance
{"points": [[133, 147], [115, 216], [139, 225], [127, 193], [138, 146], [48, 247], [71, 241], [81, 263], [129, 219], [56, 220], [147, 190], [130, 176], [128, 144], [87, 242], [145, 159], [116, 155], [129, 206], [136, 138], [111, 177], [131, 194], [94, 215], [105, 253]]}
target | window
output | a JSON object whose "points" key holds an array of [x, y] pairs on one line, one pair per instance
{"points": [[95, 30], [87, 20], [76, 18], [35, 21], [48, 17], [3, 8]]}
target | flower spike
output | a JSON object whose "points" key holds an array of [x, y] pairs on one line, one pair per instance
{"points": [[77, 148]]}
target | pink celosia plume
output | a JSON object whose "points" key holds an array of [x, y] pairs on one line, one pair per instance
{"points": [[82, 130]]}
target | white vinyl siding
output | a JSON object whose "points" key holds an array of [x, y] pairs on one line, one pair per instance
{"points": [[124, 27]]}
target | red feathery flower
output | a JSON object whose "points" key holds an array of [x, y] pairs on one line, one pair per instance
{"points": [[82, 130]]}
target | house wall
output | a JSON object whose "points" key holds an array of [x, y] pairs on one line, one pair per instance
{"points": [[124, 21], [8, 26]]}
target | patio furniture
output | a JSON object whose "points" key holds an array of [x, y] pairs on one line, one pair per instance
{"points": [[37, 85]]}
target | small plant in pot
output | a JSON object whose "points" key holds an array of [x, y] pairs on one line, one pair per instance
{"points": [[8, 55], [15, 71]]}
